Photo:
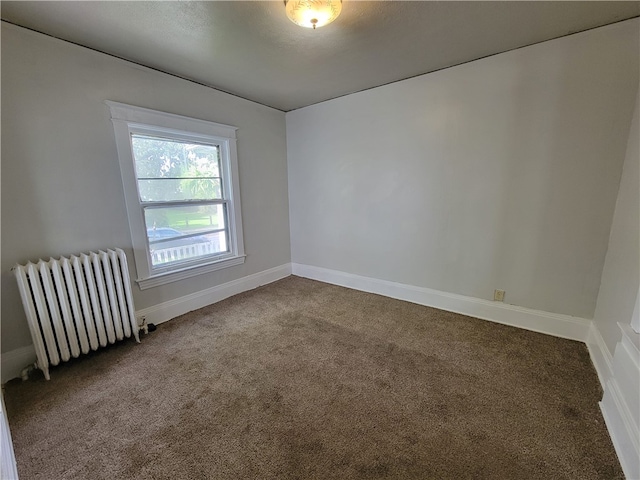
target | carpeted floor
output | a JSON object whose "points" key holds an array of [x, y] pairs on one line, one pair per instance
{"points": [[304, 380]]}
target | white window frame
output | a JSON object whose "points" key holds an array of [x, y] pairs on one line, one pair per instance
{"points": [[128, 120]]}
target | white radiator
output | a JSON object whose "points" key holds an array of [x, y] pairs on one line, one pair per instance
{"points": [[76, 304]]}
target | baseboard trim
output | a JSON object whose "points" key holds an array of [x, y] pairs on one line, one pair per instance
{"points": [[174, 308], [565, 326], [621, 430], [620, 402], [14, 361], [600, 355]]}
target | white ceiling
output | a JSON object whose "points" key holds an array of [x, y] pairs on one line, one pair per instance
{"points": [[250, 48]]}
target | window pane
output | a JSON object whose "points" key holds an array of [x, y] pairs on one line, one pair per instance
{"points": [[176, 189], [184, 233], [188, 248], [173, 170]]}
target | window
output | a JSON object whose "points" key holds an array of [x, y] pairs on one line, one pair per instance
{"points": [[181, 189]]}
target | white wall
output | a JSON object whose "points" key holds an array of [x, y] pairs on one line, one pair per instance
{"points": [[500, 173], [61, 186], [621, 276]]}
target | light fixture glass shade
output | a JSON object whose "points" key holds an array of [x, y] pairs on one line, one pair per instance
{"points": [[313, 13]]}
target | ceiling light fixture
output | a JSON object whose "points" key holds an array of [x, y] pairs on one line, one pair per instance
{"points": [[312, 13]]}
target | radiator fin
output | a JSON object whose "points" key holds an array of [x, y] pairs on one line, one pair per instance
{"points": [[77, 304]]}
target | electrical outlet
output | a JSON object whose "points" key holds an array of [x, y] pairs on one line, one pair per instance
{"points": [[498, 295]]}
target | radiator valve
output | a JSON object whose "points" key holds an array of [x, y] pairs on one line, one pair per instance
{"points": [[143, 326], [146, 327], [24, 374]]}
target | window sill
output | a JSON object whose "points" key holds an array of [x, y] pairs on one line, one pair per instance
{"points": [[176, 275]]}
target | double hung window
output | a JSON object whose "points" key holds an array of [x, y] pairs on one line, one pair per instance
{"points": [[181, 190]]}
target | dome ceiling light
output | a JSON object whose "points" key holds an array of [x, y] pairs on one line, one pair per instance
{"points": [[312, 13]]}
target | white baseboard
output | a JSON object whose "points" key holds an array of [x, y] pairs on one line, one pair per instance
{"points": [[600, 355], [14, 361], [621, 402], [179, 306], [613, 411], [565, 326]]}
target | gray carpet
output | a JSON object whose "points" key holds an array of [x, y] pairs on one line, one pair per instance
{"points": [[304, 380]]}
